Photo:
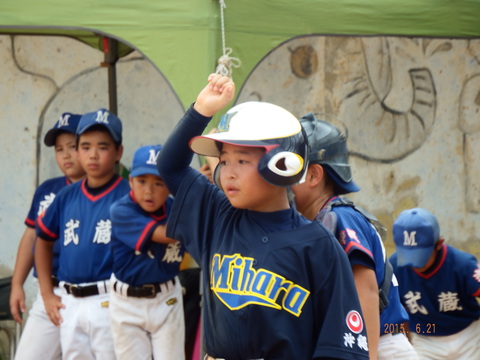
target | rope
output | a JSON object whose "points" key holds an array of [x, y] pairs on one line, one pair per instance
{"points": [[226, 62]]}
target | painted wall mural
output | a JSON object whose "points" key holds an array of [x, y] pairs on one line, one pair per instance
{"points": [[410, 107]]}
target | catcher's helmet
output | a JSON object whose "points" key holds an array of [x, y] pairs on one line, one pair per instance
{"points": [[261, 124], [328, 147]]}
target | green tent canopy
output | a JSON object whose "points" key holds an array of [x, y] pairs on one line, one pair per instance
{"points": [[183, 38]]}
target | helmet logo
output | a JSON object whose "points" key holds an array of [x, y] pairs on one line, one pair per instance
{"points": [[291, 164], [224, 124]]}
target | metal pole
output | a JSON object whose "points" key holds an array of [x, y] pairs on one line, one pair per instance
{"points": [[110, 49]]}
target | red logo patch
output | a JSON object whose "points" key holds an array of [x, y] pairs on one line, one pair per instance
{"points": [[354, 321]]}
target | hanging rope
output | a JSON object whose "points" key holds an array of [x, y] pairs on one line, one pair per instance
{"points": [[226, 62]]}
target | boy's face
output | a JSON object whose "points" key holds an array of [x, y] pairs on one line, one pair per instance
{"points": [[242, 183], [432, 258], [67, 156], [149, 191], [98, 155]]}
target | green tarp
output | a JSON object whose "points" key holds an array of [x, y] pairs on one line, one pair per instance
{"points": [[183, 38]]}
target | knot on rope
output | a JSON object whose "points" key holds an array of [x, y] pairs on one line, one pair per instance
{"points": [[226, 62]]}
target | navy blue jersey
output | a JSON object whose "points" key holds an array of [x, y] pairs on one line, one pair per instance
{"points": [[363, 245], [136, 259], [42, 199], [277, 286], [441, 301], [80, 222]]}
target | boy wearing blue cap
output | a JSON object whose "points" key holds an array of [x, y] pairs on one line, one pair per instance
{"points": [[79, 219], [62, 138], [146, 306], [438, 286]]}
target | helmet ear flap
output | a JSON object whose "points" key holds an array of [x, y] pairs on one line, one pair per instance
{"points": [[282, 168], [216, 176], [286, 164]]}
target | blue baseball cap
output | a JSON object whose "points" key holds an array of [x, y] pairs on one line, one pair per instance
{"points": [[145, 161], [68, 122], [102, 117], [415, 233]]}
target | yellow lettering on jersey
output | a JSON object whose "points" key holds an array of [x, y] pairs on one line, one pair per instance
{"points": [[237, 284]]}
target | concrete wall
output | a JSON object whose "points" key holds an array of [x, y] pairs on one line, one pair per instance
{"points": [[411, 107]]}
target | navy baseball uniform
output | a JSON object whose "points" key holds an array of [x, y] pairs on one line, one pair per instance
{"points": [[146, 307], [363, 245], [443, 300], [439, 286], [137, 260], [62, 137], [79, 220], [277, 285], [78, 214], [43, 197], [146, 303], [318, 198]]}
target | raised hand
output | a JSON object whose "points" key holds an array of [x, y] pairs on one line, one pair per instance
{"points": [[215, 96]]}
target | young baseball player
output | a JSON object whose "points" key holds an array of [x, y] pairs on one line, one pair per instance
{"points": [[319, 198], [79, 218], [276, 285], [62, 138], [146, 309], [439, 286]]}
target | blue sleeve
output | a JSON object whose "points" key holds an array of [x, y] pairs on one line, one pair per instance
{"points": [[361, 258], [131, 225], [33, 212], [472, 272], [175, 158], [47, 224]]}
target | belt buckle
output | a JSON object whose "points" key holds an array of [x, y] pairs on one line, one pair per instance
{"points": [[75, 290], [153, 291]]}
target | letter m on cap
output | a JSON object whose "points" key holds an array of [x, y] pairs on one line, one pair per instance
{"points": [[102, 117], [152, 160], [63, 121], [409, 238]]}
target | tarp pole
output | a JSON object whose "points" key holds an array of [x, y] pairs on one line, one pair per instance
{"points": [[110, 48]]}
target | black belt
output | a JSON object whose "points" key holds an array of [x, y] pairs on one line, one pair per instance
{"points": [[55, 281], [146, 290], [83, 291]]}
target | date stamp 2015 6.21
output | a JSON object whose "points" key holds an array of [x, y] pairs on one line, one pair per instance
{"points": [[427, 329]]}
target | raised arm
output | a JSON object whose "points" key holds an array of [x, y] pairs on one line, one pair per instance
{"points": [[175, 157]]}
